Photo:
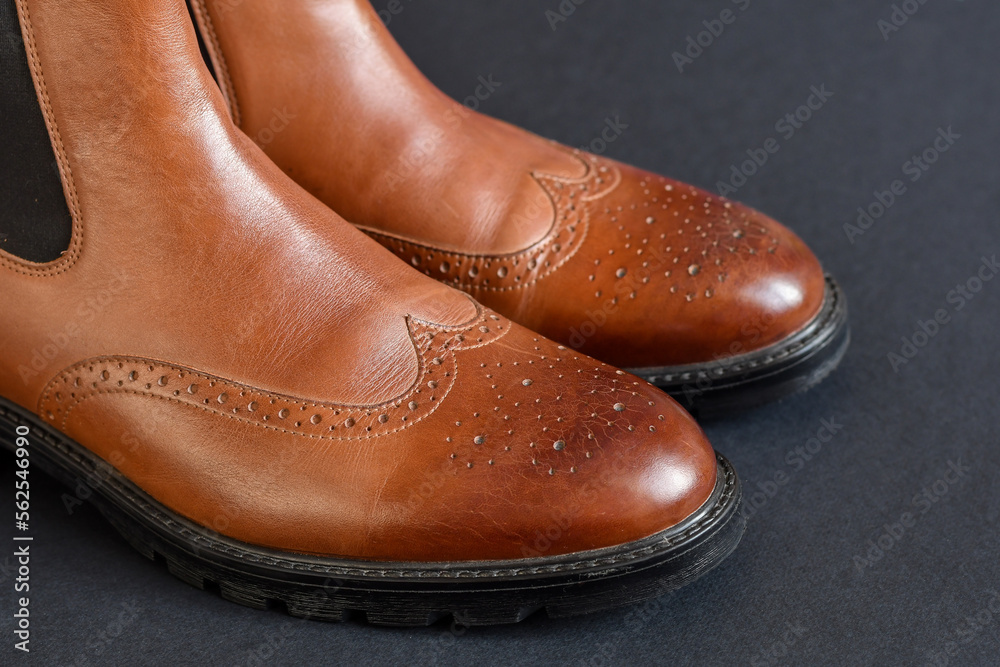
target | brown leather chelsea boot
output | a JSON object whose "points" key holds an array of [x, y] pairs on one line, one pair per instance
{"points": [[255, 392], [716, 303]]}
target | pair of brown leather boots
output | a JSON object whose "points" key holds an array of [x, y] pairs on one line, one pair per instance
{"points": [[420, 414]]}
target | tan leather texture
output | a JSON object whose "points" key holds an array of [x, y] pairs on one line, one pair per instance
{"points": [[260, 366], [636, 269]]}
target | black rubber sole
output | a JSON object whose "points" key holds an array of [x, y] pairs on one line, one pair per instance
{"points": [[399, 594], [719, 388]]}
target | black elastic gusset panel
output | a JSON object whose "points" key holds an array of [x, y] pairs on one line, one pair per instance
{"points": [[201, 44], [35, 222]]}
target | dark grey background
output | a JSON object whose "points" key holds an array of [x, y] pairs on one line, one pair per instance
{"points": [[793, 593]]}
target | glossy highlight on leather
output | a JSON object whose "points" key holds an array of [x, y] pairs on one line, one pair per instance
{"points": [[262, 369], [633, 268]]}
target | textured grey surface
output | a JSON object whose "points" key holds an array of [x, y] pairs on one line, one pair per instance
{"points": [[794, 592]]}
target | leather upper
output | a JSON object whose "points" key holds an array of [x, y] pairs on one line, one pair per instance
{"points": [[260, 366], [634, 268]]}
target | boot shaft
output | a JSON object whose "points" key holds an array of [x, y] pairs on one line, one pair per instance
{"points": [[188, 244]]}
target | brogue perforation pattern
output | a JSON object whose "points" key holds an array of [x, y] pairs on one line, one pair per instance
{"points": [[571, 199], [539, 406], [674, 236], [554, 427], [435, 345]]}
